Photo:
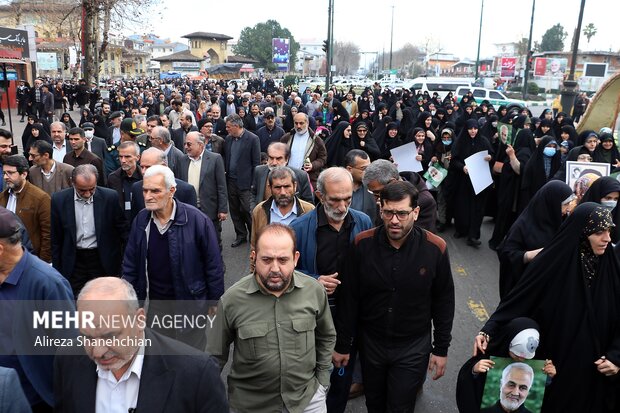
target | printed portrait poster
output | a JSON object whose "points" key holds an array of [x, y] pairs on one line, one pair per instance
{"points": [[435, 174], [504, 132], [575, 170], [518, 391]]}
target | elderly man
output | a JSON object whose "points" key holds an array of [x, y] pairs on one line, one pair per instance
{"points": [[31, 204], [152, 156], [278, 155], [88, 229], [241, 156], [356, 161], [515, 385], [396, 284], [324, 236], [46, 173], [139, 371], [172, 252], [204, 171], [307, 150], [124, 177], [381, 172], [25, 277], [160, 138], [219, 125], [288, 310]]}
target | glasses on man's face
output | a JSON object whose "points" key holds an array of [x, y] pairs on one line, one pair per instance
{"points": [[9, 173], [401, 215], [33, 155]]}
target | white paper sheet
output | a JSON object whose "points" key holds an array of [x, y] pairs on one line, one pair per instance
{"points": [[404, 157], [479, 171]]}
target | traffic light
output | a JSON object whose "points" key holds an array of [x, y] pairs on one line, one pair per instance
{"points": [[529, 60], [326, 46]]}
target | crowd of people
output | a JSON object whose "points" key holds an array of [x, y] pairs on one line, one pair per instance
{"points": [[350, 288]]}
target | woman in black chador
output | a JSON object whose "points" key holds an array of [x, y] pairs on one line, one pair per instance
{"points": [[572, 290]]}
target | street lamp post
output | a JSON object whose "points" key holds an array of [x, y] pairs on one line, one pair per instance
{"points": [[391, 38], [529, 47], [479, 39], [569, 90]]}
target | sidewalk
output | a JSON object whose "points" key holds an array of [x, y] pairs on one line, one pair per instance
{"points": [[17, 127]]}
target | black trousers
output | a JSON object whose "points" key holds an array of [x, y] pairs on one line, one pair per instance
{"points": [[87, 267], [240, 211], [393, 372]]}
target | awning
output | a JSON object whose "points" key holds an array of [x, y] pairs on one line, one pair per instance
{"points": [[12, 61]]}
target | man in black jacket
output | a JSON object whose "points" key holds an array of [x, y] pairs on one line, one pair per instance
{"points": [[161, 374], [396, 283]]}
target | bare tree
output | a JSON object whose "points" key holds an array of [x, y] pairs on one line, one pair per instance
{"points": [[346, 57]]}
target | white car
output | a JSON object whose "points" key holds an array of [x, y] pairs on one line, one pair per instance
{"points": [[495, 97]]}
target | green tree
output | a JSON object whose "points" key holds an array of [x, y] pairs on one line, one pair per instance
{"points": [[255, 42], [589, 31], [553, 39], [521, 48]]}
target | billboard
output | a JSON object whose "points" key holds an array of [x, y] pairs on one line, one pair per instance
{"points": [[553, 67], [280, 52], [47, 61], [14, 43], [508, 66]]}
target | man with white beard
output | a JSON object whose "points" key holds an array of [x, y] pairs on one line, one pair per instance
{"points": [[517, 379]]}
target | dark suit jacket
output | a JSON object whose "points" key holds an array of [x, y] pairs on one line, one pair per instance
{"points": [[260, 180], [212, 190], [219, 127], [178, 136], [174, 157], [12, 397], [175, 378], [248, 157], [184, 193], [111, 229], [99, 147], [217, 143]]}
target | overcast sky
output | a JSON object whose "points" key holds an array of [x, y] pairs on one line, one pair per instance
{"points": [[451, 25]]}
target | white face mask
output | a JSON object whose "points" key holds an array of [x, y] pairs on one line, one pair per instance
{"points": [[494, 124], [611, 204], [89, 134]]}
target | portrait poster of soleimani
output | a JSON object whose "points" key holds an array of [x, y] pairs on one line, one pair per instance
{"points": [[516, 387]]}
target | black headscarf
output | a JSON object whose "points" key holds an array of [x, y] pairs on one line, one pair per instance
{"points": [[579, 323], [534, 228], [600, 188], [390, 143], [337, 145], [534, 175], [572, 133], [610, 156]]}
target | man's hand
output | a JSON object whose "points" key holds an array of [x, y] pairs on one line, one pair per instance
{"points": [[438, 364], [330, 282], [222, 216], [340, 360], [606, 367]]}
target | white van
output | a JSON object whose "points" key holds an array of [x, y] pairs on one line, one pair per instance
{"points": [[441, 85], [495, 97]]}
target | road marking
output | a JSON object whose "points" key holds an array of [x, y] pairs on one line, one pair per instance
{"points": [[460, 271], [478, 310]]}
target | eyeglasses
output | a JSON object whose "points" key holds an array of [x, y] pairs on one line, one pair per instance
{"points": [[401, 215], [9, 172]]}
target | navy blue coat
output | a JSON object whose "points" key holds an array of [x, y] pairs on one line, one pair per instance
{"points": [[195, 259]]}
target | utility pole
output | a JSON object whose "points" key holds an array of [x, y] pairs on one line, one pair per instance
{"points": [[391, 38], [569, 90], [330, 45], [526, 71], [479, 39]]}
